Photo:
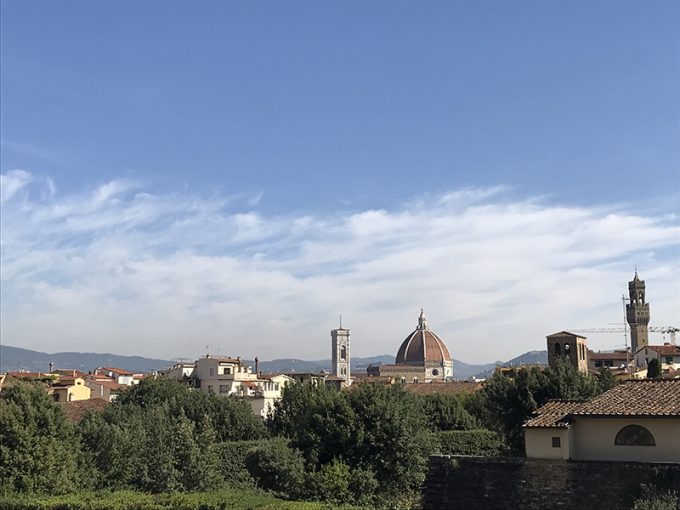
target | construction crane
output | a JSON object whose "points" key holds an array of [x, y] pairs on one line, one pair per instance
{"points": [[671, 330]]}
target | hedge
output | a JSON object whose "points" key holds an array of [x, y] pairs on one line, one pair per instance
{"points": [[482, 443]]}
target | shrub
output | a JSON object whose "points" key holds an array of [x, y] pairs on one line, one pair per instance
{"points": [[652, 498], [330, 483], [278, 468], [232, 457], [483, 443]]}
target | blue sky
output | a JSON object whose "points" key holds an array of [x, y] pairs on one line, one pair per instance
{"points": [[272, 164]]}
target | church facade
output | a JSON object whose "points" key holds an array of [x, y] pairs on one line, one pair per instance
{"points": [[422, 358]]}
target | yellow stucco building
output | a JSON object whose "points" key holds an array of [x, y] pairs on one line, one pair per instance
{"points": [[635, 421]]}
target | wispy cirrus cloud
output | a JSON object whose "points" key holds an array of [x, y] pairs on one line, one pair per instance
{"points": [[121, 269]]}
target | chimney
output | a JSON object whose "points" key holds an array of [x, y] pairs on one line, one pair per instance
{"points": [[257, 365]]}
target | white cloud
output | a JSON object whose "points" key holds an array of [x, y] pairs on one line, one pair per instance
{"points": [[121, 270], [12, 182]]}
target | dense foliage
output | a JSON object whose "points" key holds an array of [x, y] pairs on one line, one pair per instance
{"points": [[507, 401], [372, 427], [38, 446], [224, 499], [366, 446], [481, 443]]}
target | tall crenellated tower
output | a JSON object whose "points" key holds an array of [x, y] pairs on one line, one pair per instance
{"points": [[340, 353], [637, 314]]}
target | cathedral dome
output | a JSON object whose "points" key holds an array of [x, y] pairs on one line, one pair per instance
{"points": [[423, 347]]}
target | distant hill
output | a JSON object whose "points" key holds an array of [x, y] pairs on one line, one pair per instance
{"points": [[528, 358], [15, 358], [300, 365]]}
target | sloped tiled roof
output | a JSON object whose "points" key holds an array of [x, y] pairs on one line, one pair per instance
{"points": [[565, 333], [616, 355], [665, 350], [552, 414], [77, 409], [115, 370], [636, 398]]}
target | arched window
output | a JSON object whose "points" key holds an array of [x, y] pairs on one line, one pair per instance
{"points": [[343, 353], [642, 298], [634, 435], [558, 350], [566, 349]]}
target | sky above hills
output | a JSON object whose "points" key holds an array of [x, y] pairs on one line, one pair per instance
{"points": [[177, 175]]}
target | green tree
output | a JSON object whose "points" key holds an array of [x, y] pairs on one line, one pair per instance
{"points": [[374, 427], [446, 412], [653, 369], [507, 401], [278, 468], [319, 421], [38, 447], [395, 441], [231, 418]]}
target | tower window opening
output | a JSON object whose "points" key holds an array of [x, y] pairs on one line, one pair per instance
{"points": [[558, 350]]}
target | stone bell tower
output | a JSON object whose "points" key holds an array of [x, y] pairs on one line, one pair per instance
{"points": [[340, 353], [637, 314]]}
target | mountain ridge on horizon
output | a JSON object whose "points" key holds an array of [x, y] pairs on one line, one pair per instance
{"points": [[17, 358]]}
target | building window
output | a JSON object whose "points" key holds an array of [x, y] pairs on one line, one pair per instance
{"points": [[435, 372], [343, 353], [227, 370], [634, 435], [212, 372], [415, 380], [556, 442], [669, 359], [223, 388], [558, 350], [403, 380]]}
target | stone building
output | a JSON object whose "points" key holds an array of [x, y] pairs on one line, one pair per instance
{"points": [[340, 354], [568, 347], [637, 314], [422, 358]]}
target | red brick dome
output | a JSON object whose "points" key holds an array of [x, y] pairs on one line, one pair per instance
{"points": [[423, 347]]}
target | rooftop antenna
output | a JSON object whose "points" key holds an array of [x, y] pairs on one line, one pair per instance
{"points": [[340, 321]]}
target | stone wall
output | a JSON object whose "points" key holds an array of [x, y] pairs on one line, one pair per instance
{"points": [[484, 483]]}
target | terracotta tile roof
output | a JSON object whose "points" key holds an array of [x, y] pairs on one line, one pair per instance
{"points": [[77, 410], [552, 414], [226, 360], [70, 372], [622, 356], [664, 350], [636, 398], [116, 370], [450, 388], [565, 333], [111, 385], [32, 375]]}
